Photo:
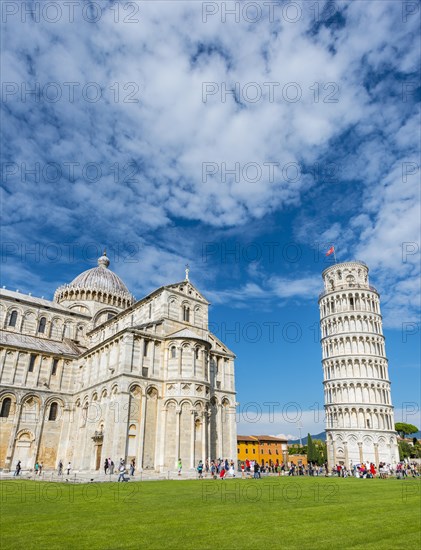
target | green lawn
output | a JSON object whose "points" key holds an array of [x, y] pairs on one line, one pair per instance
{"points": [[261, 514]]}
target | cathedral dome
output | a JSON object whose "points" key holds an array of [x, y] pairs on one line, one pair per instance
{"points": [[98, 284]]}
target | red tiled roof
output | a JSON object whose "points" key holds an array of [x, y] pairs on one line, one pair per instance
{"points": [[270, 438], [247, 438], [261, 438]]}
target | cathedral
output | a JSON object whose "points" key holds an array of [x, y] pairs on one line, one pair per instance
{"points": [[95, 374]]}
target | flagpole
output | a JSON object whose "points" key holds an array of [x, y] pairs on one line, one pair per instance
{"points": [[334, 255]]}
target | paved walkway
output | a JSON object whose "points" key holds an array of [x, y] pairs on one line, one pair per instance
{"points": [[98, 477]]}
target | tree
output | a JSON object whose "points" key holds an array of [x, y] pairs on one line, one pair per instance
{"points": [[295, 449], [322, 452], [404, 429], [312, 451]]}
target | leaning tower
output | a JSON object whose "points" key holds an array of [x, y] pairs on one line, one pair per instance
{"points": [[358, 406]]}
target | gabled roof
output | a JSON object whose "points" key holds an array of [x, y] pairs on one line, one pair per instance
{"points": [[190, 286], [225, 349], [145, 299], [186, 333]]}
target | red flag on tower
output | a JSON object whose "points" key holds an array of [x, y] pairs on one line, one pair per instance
{"points": [[330, 251]]}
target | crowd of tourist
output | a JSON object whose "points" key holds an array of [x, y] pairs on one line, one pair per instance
{"points": [[252, 469], [223, 468], [369, 470]]}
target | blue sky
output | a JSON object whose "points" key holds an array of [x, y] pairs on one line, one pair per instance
{"points": [[243, 143]]}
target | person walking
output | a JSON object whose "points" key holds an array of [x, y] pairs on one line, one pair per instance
{"points": [[112, 466], [69, 467], [106, 466], [122, 471], [36, 468], [132, 467], [18, 468], [200, 469], [179, 466], [40, 467], [60, 468]]}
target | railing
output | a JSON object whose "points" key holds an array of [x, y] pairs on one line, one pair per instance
{"points": [[348, 287]]}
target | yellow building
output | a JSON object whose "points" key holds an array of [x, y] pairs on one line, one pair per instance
{"points": [[265, 449], [298, 460]]}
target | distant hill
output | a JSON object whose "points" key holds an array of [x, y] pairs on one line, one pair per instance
{"points": [[321, 435]]}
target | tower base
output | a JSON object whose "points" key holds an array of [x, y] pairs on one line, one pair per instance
{"points": [[350, 447]]}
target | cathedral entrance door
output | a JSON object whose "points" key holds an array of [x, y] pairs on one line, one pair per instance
{"points": [[24, 450], [98, 457]]}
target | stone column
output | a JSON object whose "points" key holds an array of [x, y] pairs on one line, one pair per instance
{"points": [[107, 361], [38, 374], [139, 458], [205, 366], [192, 438], [220, 431], [127, 352], [203, 418], [332, 455], [153, 358], [12, 438], [160, 463], [376, 454], [177, 435], [38, 433], [233, 433], [142, 353], [346, 454], [3, 355], [159, 434], [180, 362], [360, 450], [208, 433], [15, 367], [82, 444]]}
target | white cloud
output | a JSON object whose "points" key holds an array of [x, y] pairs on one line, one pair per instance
{"points": [[170, 132]]}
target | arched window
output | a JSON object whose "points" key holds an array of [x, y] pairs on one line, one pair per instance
{"points": [[186, 314], [13, 318], [32, 359], [5, 407], [53, 411], [173, 352], [54, 367], [41, 325]]}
